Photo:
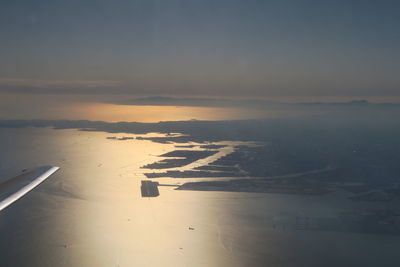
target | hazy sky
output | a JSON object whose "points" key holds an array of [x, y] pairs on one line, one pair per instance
{"points": [[244, 48]]}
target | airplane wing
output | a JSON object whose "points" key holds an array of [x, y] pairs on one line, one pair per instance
{"points": [[16, 187]]}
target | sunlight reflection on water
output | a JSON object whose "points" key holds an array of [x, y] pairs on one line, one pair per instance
{"points": [[110, 112], [91, 213]]}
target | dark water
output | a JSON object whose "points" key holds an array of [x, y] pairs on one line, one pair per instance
{"points": [[91, 213]]}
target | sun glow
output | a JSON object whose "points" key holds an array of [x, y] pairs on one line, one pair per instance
{"points": [[112, 113]]}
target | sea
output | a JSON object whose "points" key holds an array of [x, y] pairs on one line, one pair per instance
{"points": [[91, 213]]}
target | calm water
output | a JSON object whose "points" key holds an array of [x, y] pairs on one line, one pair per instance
{"points": [[91, 213]]}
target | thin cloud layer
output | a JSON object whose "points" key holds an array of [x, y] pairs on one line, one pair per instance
{"points": [[55, 86]]}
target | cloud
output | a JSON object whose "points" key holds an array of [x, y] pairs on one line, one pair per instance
{"points": [[175, 101], [23, 86]]}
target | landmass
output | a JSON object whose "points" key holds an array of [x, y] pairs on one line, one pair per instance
{"points": [[282, 186], [180, 158]]}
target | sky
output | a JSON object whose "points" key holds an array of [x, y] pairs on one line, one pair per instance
{"points": [[283, 49]]}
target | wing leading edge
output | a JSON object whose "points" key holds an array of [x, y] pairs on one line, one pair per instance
{"points": [[16, 187]]}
